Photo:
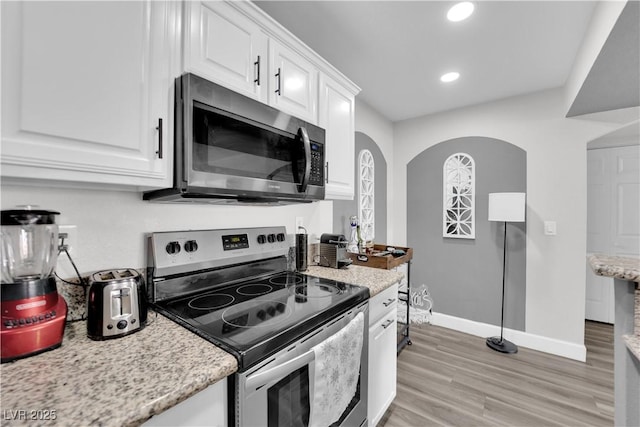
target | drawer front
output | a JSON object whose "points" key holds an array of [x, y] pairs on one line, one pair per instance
{"points": [[383, 303]]}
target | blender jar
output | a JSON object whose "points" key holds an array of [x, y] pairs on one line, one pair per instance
{"points": [[29, 244]]}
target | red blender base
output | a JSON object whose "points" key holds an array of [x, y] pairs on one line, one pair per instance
{"points": [[27, 332]]}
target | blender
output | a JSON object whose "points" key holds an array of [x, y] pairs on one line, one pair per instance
{"points": [[33, 313]]}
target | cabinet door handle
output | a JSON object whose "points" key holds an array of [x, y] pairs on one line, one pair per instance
{"points": [[159, 129], [326, 175], [388, 302], [257, 68], [387, 323], [278, 82]]}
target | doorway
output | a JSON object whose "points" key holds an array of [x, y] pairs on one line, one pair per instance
{"points": [[613, 217]]}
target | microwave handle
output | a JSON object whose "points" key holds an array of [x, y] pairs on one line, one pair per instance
{"points": [[302, 134]]}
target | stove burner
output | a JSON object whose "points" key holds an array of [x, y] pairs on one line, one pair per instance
{"points": [[211, 301], [254, 289], [262, 314], [316, 291], [286, 279]]}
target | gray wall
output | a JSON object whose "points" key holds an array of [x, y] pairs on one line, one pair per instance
{"points": [[343, 209], [464, 276]]}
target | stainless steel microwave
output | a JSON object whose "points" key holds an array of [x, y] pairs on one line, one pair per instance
{"points": [[232, 149]]}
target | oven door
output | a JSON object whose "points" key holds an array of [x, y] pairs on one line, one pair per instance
{"points": [[279, 392]]}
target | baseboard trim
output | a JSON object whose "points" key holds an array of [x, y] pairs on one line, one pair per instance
{"points": [[523, 339]]}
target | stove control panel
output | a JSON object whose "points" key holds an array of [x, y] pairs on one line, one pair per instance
{"points": [[177, 252], [235, 241]]}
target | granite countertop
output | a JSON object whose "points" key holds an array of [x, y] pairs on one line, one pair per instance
{"points": [[625, 268], [117, 382], [125, 381], [633, 344], [376, 279]]}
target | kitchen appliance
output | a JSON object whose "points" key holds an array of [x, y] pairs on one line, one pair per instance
{"points": [[33, 313], [231, 287], [333, 251], [116, 304], [301, 251], [232, 149]]}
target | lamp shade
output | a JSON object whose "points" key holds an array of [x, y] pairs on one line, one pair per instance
{"points": [[506, 207]]}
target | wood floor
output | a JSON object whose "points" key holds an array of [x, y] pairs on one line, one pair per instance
{"points": [[450, 378]]}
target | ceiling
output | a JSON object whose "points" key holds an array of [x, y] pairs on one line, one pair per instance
{"points": [[396, 51], [613, 81]]}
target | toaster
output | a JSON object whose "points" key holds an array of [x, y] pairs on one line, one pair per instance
{"points": [[116, 304]]}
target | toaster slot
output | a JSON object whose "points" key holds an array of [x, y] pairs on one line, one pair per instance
{"points": [[120, 302]]}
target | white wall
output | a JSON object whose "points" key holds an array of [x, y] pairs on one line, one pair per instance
{"points": [[112, 224], [556, 191], [380, 129]]}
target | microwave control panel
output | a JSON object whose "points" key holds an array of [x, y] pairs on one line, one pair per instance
{"points": [[316, 176]]}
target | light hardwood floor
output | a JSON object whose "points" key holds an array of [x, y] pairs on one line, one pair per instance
{"points": [[450, 378]]}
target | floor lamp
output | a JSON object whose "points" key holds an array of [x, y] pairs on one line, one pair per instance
{"points": [[505, 207]]}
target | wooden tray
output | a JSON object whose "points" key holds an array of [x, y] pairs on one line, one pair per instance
{"points": [[386, 262]]}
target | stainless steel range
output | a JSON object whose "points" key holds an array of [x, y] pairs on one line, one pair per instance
{"points": [[232, 288]]}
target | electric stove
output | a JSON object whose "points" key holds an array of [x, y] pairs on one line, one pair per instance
{"points": [[232, 288]]}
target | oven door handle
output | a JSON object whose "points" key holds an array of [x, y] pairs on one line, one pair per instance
{"points": [[258, 380]]}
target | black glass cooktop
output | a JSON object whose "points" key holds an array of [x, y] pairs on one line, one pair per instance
{"points": [[256, 318]]}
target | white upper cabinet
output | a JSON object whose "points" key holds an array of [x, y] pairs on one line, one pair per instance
{"points": [[223, 43], [295, 83], [87, 91], [226, 47], [337, 118]]}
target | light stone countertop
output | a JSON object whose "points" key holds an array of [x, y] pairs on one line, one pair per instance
{"points": [[125, 381], [625, 268], [117, 382], [633, 344], [376, 279]]}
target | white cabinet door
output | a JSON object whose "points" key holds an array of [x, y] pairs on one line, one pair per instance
{"points": [[382, 366], [85, 86], [337, 118], [294, 83], [226, 47], [206, 408], [382, 353]]}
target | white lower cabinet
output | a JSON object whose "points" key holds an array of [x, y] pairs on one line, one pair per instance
{"points": [[382, 353], [206, 408]]}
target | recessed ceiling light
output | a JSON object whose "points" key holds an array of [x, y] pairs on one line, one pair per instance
{"points": [[460, 11], [449, 77]]}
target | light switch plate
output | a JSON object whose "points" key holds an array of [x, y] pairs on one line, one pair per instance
{"points": [[550, 228]]}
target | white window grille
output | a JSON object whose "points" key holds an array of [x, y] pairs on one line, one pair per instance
{"points": [[366, 195], [458, 218]]}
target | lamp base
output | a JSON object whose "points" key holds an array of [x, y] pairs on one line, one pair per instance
{"points": [[502, 345]]}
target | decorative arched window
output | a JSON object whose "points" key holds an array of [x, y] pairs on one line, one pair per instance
{"points": [[366, 195], [458, 219]]}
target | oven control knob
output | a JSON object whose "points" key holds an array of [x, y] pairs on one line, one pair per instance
{"points": [[271, 238], [190, 246], [173, 248], [271, 311], [261, 314], [262, 239], [280, 237]]}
